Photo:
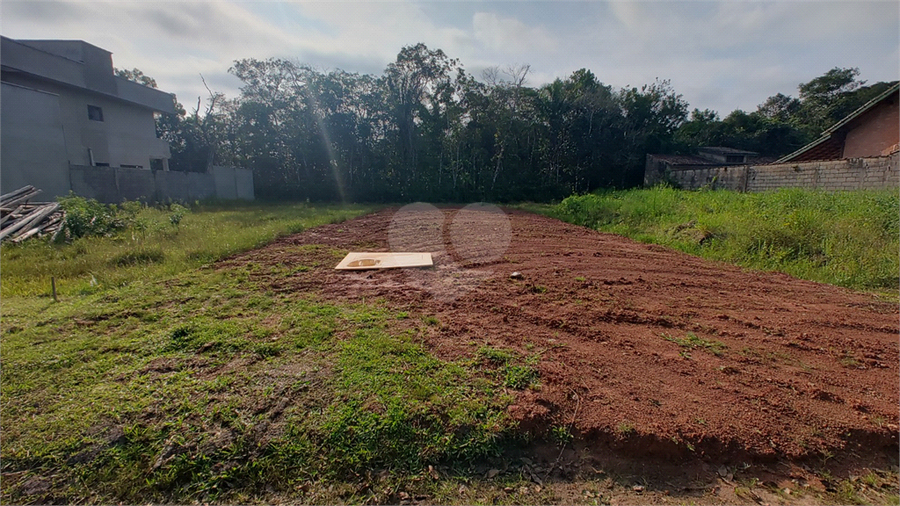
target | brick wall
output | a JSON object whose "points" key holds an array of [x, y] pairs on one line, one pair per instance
{"points": [[847, 174]]}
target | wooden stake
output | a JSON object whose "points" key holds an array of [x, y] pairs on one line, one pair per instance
{"points": [[53, 288]]}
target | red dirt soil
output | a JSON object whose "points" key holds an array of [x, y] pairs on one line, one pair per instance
{"points": [[628, 334]]}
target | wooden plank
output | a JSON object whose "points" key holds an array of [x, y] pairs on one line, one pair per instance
{"points": [[356, 260]]}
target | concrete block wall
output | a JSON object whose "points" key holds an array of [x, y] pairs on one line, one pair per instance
{"points": [[113, 184], [732, 177], [829, 175], [183, 186]]}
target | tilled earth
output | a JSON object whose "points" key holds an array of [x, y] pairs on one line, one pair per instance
{"points": [[643, 350]]}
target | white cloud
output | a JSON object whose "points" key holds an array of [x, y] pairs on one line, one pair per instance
{"points": [[509, 35], [718, 54]]}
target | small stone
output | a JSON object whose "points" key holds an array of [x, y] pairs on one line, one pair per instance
{"points": [[508, 489], [637, 488], [403, 496], [516, 275], [526, 460], [723, 471], [493, 472], [787, 491], [729, 477]]}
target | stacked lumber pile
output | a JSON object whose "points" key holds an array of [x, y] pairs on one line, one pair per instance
{"points": [[21, 219]]}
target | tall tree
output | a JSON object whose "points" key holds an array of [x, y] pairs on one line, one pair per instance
{"points": [[136, 75], [651, 117]]}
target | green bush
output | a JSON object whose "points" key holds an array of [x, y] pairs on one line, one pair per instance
{"points": [[87, 217]]}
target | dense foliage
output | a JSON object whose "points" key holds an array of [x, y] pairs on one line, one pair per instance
{"points": [[87, 217], [427, 130]]}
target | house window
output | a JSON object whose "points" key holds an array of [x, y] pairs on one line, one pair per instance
{"points": [[95, 113], [734, 159]]}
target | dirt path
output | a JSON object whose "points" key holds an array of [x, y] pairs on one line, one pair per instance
{"points": [[648, 350]]}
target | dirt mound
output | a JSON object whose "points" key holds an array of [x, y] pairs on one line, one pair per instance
{"points": [[648, 350]]}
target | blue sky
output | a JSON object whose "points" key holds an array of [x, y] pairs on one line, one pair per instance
{"points": [[722, 55]]}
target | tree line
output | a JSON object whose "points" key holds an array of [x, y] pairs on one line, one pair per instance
{"points": [[427, 130]]}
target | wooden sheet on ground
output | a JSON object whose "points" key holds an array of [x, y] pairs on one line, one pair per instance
{"points": [[355, 261]]}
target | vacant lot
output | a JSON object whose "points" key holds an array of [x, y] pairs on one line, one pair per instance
{"points": [[660, 351], [604, 371]]}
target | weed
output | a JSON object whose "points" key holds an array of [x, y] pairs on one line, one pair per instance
{"points": [[844, 238], [519, 376], [561, 434], [495, 355], [267, 350], [580, 279], [137, 257], [691, 342], [178, 213], [87, 217], [871, 479], [847, 494], [625, 428], [848, 360]]}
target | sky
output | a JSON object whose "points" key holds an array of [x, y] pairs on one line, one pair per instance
{"points": [[720, 55]]}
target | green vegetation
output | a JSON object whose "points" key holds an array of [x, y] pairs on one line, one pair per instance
{"points": [[692, 342], [625, 428], [848, 239], [113, 247], [561, 434], [514, 371], [208, 387]]}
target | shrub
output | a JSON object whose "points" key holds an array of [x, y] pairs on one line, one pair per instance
{"points": [[87, 217]]}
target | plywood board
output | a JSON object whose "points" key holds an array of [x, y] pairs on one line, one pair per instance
{"points": [[357, 261]]}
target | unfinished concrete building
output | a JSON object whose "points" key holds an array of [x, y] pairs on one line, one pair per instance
{"points": [[63, 106]]}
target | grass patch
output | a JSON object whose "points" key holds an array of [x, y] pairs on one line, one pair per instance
{"points": [[155, 380], [691, 342], [515, 372], [848, 238], [153, 245], [205, 387]]}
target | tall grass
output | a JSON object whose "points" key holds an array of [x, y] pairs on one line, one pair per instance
{"points": [[850, 239], [160, 243]]}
